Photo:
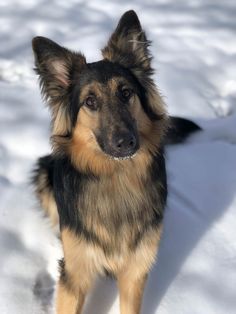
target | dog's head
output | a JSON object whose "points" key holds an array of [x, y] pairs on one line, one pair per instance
{"points": [[107, 110]]}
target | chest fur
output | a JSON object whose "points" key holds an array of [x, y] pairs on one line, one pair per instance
{"points": [[112, 211]]}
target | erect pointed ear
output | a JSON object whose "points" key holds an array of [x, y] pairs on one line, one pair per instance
{"points": [[56, 66], [128, 45]]}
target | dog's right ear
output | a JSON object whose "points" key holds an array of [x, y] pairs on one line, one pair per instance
{"points": [[54, 66]]}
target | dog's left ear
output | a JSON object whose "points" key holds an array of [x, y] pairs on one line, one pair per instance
{"points": [[128, 45]]}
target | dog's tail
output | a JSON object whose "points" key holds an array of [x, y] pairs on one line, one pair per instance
{"points": [[42, 180], [179, 130]]}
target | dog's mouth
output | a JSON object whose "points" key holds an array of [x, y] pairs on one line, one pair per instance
{"points": [[121, 155], [128, 157]]}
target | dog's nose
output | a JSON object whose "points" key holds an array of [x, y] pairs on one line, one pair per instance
{"points": [[125, 143]]}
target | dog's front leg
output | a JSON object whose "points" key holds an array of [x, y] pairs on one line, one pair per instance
{"points": [[72, 287], [77, 273], [69, 302], [132, 276], [131, 292]]}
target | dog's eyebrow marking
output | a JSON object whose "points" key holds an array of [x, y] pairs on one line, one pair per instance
{"points": [[116, 82], [112, 84], [91, 88]]}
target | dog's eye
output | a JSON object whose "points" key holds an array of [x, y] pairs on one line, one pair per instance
{"points": [[126, 93], [91, 103]]}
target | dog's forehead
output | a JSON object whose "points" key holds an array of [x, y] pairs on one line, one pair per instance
{"points": [[102, 89], [104, 72]]}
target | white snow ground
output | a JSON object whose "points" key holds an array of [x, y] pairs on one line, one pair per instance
{"points": [[194, 43]]}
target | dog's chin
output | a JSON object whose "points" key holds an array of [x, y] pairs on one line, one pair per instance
{"points": [[117, 158], [120, 158]]}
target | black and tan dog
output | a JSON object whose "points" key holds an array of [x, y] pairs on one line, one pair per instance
{"points": [[105, 181]]}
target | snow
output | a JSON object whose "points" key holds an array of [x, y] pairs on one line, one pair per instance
{"points": [[194, 45]]}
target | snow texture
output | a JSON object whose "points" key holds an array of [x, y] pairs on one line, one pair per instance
{"points": [[194, 45]]}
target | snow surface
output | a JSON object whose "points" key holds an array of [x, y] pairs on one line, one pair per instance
{"points": [[194, 44]]}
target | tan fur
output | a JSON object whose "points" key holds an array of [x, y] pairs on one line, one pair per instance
{"points": [[84, 261], [128, 192], [61, 124], [131, 293], [151, 132], [67, 301]]}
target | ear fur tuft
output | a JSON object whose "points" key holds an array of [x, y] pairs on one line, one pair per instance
{"points": [[128, 45]]}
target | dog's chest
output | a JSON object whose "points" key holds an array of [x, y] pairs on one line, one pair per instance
{"points": [[111, 212], [118, 210]]}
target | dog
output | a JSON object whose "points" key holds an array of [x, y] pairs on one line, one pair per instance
{"points": [[105, 181]]}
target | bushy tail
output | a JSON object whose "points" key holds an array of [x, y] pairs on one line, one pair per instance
{"points": [[179, 130]]}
